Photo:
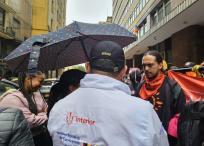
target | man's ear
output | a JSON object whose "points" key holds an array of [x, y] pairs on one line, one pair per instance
{"points": [[122, 73], [160, 66], [88, 68]]}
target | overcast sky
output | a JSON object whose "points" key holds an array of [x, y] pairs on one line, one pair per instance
{"points": [[91, 11]]}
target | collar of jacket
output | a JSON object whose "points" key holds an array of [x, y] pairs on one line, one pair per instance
{"points": [[103, 82]]}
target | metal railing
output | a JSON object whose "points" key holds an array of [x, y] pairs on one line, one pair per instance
{"points": [[7, 31]]}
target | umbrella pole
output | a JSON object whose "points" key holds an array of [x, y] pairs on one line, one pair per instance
{"points": [[82, 43]]}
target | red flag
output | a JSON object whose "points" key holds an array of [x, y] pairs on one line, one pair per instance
{"points": [[192, 86]]}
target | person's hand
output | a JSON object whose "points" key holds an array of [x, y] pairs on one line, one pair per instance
{"points": [[196, 70]]}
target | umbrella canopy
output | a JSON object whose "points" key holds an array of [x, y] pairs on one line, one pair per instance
{"points": [[69, 46], [18, 58]]}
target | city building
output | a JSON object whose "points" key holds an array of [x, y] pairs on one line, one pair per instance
{"points": [[48, 16], [108, 20], [173, 27], [20, 19], [15, 26]]}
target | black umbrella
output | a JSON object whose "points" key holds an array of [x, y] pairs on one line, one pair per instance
{"points": [[71, 45], [17, 60]]}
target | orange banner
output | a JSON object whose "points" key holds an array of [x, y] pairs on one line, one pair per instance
{"points": [[192, 86]]}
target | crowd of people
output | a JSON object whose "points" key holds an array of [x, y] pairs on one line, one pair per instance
{"points": [[98, 107]]}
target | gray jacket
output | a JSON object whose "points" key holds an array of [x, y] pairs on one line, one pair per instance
{"points": [[14, 130]]}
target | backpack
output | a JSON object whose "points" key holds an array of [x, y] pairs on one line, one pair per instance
{"points": [[191, 125]]}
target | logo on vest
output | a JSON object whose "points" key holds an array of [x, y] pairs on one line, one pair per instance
{"points": [[71, 118]]}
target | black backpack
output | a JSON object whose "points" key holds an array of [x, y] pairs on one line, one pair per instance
{"points": [[191, 125]]}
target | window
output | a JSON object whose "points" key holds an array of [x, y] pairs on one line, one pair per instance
{"points": [[145, 27], [129, 4], [135, 13], [2, 16], [15, 30], [142, 30], [143, 3], [16, 24], [131, 19], [160, 14], [140, 6], [51, 25], [154, 19], [138, 10], [52, 6], [167, 8]]}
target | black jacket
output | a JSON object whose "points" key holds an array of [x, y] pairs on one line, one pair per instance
{"points": [[14, 129], [168, 101]]}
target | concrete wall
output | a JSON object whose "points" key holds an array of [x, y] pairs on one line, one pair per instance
{"points": [[188, 45], [48, 15], [56, 14], [40, 17], [23, 14]]}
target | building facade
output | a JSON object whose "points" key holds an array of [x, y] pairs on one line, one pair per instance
{"points": [[48, 16], [173, 27], [15, 26]]}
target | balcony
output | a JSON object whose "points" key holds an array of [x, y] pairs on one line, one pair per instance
{"points": [[6, 7], [6, 33]]}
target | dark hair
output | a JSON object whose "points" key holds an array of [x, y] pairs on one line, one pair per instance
{"points": [[60, 89], [32, 105], [156, 54], [71, 77], [135, 76]]}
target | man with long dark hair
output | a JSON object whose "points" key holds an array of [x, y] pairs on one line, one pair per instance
{"points": [[165, 94]]}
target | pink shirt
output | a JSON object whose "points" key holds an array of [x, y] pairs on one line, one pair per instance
{"points": [[16, 99]]}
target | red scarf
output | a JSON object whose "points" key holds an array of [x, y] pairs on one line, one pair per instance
{"points": [[150, 88]]}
